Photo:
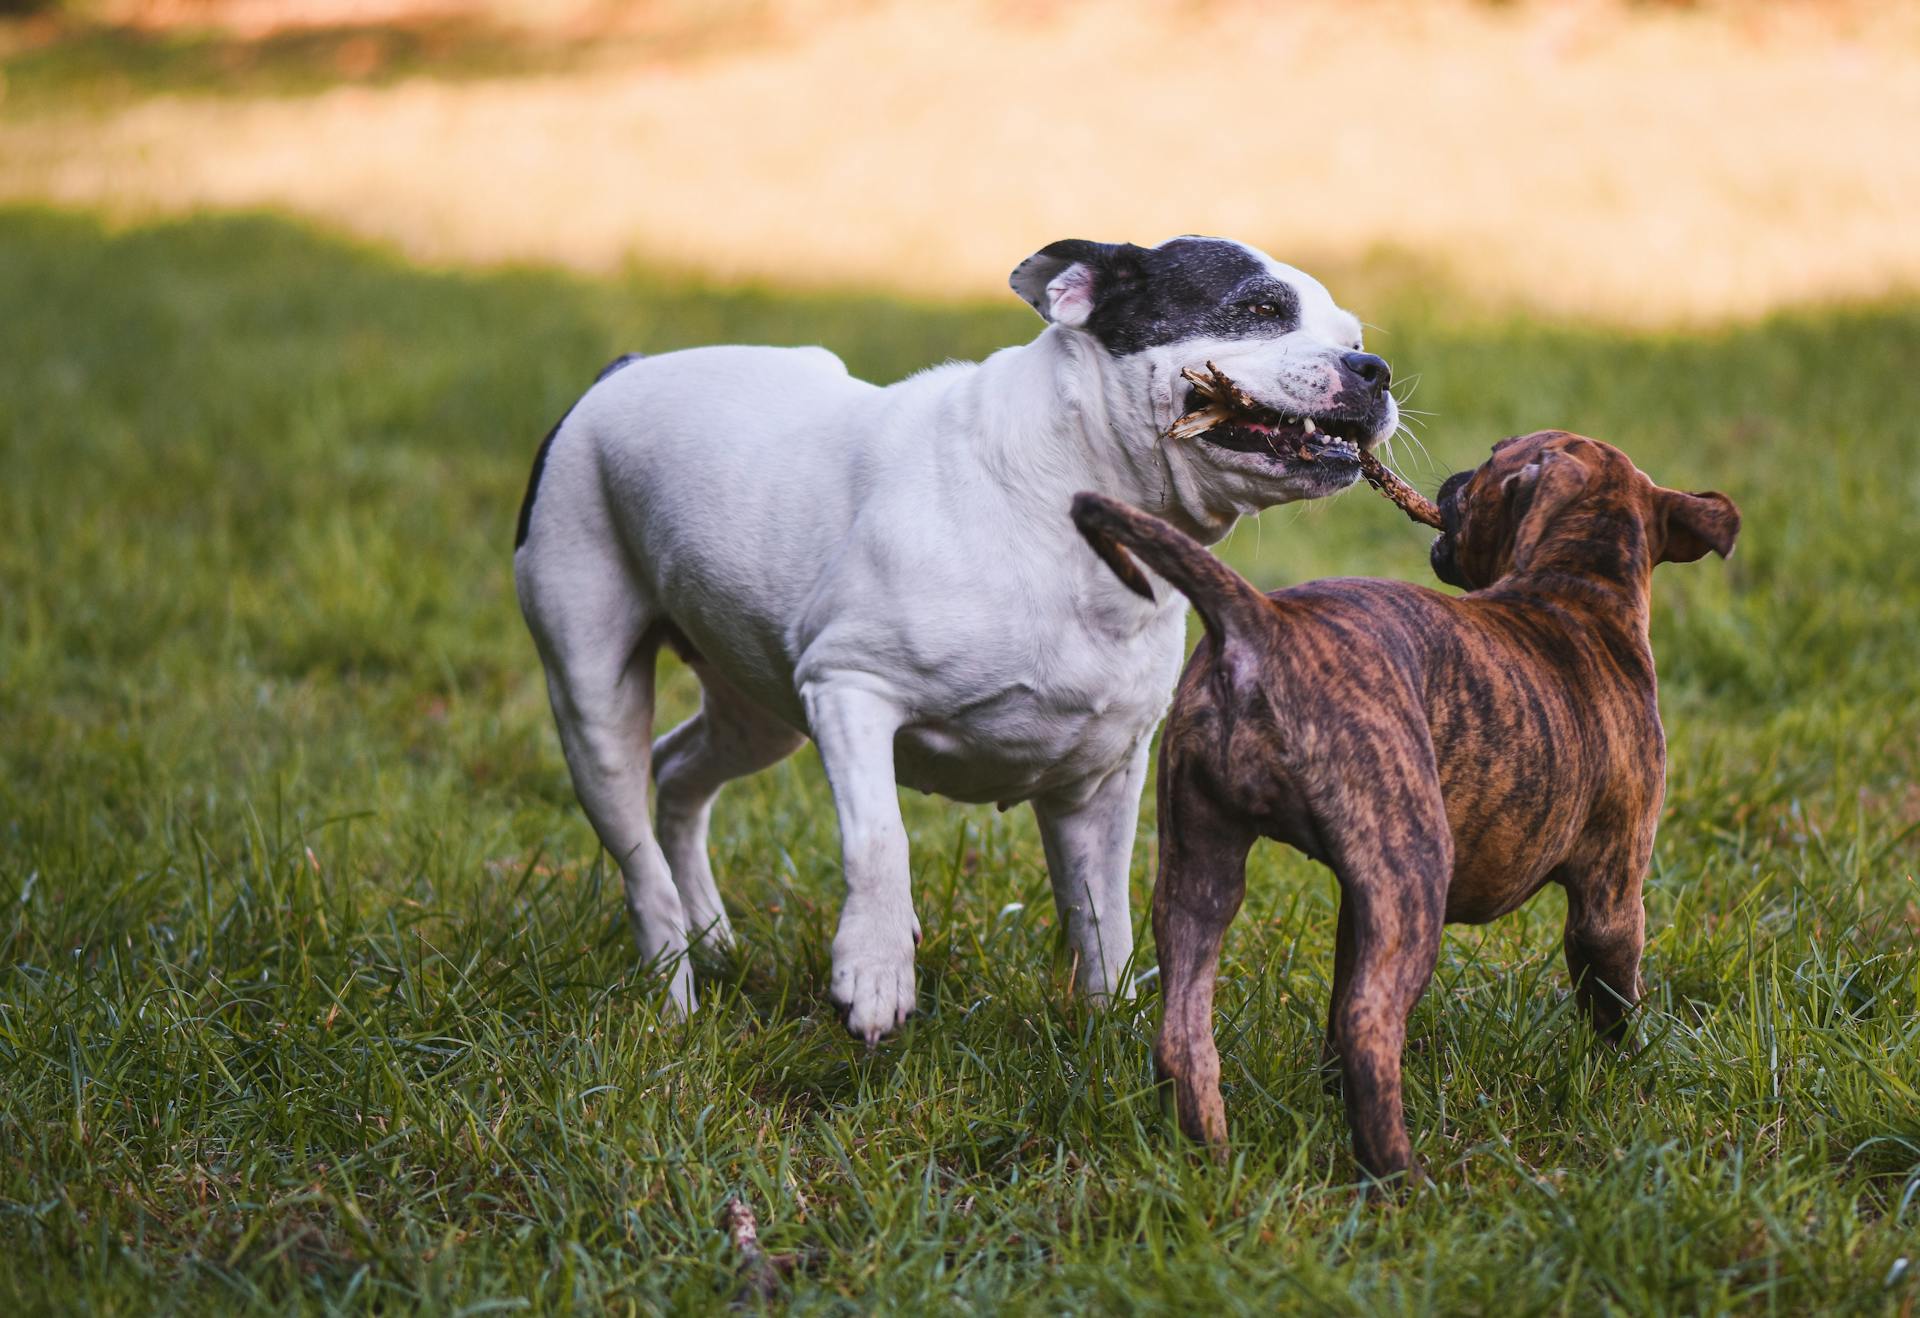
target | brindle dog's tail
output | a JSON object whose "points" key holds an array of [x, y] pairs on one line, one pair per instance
{"points": [[1226, 601]]}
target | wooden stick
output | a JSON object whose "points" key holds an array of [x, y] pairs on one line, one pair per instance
{"points": [[1222, 397], [760, 1272], [1216, 386], [1407, 499]]}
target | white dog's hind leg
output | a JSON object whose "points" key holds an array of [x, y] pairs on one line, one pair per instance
{"points": [[729, 738], [873, 950], [1089, 852], [603, 705]]}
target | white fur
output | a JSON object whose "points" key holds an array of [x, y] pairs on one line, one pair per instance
{"points": [[891, 571]]}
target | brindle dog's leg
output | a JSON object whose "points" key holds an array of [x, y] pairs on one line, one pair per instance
{"points": [[1202, 878], [1394, 862], [1343, 953], [1606, 931]]}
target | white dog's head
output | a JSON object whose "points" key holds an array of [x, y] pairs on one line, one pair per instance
{"points": [[1274, 330]]}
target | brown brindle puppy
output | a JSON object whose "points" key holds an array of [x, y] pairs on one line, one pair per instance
{"points": [[1445, 756]]}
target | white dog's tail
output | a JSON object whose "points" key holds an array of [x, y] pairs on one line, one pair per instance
{"points": [[1226, 601], [540, 457]]}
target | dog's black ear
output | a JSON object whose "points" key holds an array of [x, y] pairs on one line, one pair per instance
{"points": [[1063, 281], [1694, 523], [1537, 493]]}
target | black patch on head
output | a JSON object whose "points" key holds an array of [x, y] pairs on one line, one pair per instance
{"points": [[1190, 288], [540, 457]]}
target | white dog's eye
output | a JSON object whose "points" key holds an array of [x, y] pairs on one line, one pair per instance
{"points": [[1264, 309]]}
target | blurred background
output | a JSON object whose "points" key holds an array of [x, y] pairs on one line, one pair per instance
{"points": [[1645, 163]]}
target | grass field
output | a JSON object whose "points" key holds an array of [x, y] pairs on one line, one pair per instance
{"points": [[316, 992]]}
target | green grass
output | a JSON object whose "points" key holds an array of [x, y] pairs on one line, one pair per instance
{"points": [[316, 991]]}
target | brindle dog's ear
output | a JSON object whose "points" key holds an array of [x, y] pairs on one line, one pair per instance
{"points": [[1062, 280], [1536, 494], [1694, 523]]}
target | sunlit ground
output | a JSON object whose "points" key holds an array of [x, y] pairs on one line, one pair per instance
{"points": [[1642, 164]]}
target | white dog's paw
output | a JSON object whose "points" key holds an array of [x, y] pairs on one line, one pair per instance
{"points": [[713, 936], [681, 1001], [1105, 985], [873, 982]]}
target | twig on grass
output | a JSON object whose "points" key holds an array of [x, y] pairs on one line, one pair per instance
{"points": [[760, 1272]]}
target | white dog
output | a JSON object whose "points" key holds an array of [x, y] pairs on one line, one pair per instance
{"points": [[892, 572]]}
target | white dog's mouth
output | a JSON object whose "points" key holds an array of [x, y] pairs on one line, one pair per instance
{"points": [[1223, 415], [1288, 438]]}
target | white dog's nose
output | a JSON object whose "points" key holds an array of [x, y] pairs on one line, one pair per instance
{"points": [[1372, 372]]}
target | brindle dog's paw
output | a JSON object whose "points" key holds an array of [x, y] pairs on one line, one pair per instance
{"points": [[1332, 1071], [1395, 1187]]}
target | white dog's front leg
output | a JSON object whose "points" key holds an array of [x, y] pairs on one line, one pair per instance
{"points": [[1089, 855], [873, 951]]}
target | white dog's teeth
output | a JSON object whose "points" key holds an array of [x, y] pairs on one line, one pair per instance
{"points": [[1309, 425]]}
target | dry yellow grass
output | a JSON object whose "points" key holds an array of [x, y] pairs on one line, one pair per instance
{"points": [[1636, 165]]}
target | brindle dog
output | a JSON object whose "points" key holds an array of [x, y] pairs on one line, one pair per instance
{"points": [[1445, 756]]}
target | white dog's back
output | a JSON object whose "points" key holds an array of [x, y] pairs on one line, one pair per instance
{"points": [[671, 472]]}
